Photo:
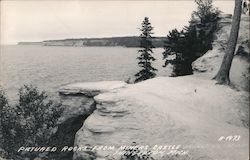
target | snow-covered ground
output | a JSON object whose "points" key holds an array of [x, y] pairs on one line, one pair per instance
{"points": [[209, 121]]}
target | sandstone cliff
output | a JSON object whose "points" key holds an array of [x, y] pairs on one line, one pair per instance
{"points": [[206, 121]]}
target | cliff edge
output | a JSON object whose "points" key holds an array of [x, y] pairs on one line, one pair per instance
{"points": [[174, 118]]}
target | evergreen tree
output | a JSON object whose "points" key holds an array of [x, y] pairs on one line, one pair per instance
{"points": [[175, 53], [184, 47], [206, 12], [145, 58]]}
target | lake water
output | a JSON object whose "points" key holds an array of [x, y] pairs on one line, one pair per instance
{"points": [[49, 67]]}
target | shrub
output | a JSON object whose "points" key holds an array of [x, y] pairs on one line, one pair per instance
{"points": [[30, 122], [3, 100], [3, 106]]}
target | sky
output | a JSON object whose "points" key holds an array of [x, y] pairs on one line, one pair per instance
{"points": [[38, 20]]}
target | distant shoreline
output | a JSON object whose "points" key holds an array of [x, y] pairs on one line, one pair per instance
{"points": [[129, 41]]}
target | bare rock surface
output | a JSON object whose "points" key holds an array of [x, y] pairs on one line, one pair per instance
{"points": [[186, 111], [90, 89], [210, 62]]}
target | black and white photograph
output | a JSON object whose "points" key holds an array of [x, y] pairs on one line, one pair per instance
{"points": [[124, 79]]}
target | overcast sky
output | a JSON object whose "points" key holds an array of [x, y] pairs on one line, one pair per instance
{"points": [[37, 20]]}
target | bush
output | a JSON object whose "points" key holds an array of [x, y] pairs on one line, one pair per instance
{"points": [[3, 105], [3, 100], [31, 122]]}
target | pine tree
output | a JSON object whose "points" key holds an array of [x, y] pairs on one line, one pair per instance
{"points": [[206, 12], [145, 58], [184, 47]]}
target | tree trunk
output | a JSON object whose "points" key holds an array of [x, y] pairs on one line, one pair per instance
{"points": [[222, 76]]}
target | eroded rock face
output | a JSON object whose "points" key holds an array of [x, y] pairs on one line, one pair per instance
{"points": [[77, 109], [76, 106], [79, 103], [166, 111], [90, 89], [208, 61], [211, 61]]}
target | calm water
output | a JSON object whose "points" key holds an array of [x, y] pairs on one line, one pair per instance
{"points": [[51, 67]]}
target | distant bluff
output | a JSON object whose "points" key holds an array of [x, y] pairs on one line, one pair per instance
{"points": [[102, 42]]}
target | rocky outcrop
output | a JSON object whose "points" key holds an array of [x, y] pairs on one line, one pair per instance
{"points": [[79, 103], [210, 62], [205, 121], [77, 109], [167, 111], [177, 118], [90, 89]]}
